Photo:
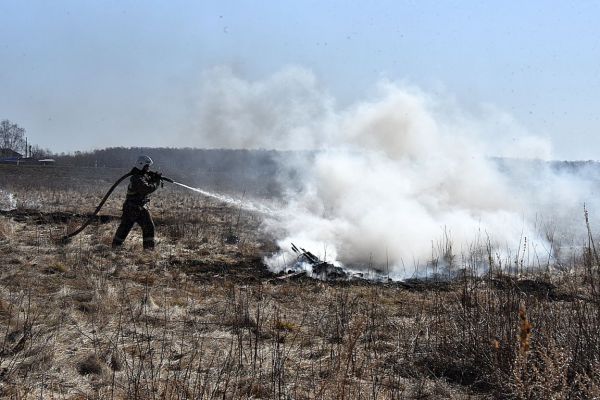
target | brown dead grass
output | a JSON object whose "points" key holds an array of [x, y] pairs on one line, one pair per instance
{"points": [[202, 319]]}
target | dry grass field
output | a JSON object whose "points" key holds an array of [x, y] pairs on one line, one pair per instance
{"points": [[204, 319]]}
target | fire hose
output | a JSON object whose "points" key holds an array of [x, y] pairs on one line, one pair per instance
{"points": [[134, 171]]}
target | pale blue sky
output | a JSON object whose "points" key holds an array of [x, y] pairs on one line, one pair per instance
{"points": [[89, 74]]}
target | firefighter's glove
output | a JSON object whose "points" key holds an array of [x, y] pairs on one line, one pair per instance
{"points": [[155, 177]]}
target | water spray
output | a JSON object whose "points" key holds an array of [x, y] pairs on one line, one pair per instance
{"points": [[230, 200]]}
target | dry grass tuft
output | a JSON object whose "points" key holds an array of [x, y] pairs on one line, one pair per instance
{"points": [[287, 326], [56, 267], [6, 229], [524, 331]]}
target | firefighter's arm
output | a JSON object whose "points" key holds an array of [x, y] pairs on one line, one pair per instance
{"points": [[143, 185]]}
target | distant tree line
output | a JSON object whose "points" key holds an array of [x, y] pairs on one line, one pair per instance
{"points": [[252, 171], [174, 158]]}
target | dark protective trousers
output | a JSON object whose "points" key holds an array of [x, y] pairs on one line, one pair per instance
{"points": [[133, 214]]}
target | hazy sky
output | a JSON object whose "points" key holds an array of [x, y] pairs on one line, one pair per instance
{"points": [[90, 74]]}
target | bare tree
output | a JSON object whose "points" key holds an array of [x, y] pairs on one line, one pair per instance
{"points": [[12, 136], [36, 151]]}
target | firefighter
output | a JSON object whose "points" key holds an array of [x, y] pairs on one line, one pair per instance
{"points": [[142, 183]]}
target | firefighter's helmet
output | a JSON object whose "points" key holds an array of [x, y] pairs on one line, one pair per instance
{"points": [[142, 161]]}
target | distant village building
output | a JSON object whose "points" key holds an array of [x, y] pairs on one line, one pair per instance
{"points": [[9, 153], [8, 156]]}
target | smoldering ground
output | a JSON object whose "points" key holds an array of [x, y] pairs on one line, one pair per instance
{"points": [[398, 177]]}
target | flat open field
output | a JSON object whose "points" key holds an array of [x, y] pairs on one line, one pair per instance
{"points": [[202, 317]]}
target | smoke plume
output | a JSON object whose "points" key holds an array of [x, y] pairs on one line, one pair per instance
{"points": [[396, 178]]}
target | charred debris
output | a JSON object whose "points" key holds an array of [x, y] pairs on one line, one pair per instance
{"points": [[309, 265], [316, 267]]}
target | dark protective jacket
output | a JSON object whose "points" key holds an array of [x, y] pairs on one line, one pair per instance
{"points": [[140, 186], [134, 211]]}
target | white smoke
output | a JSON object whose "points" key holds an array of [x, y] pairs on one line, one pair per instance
{"points": [[286, 111], [392, 174]]}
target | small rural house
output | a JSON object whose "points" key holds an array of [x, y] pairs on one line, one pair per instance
{"points": [[9, 153]]}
